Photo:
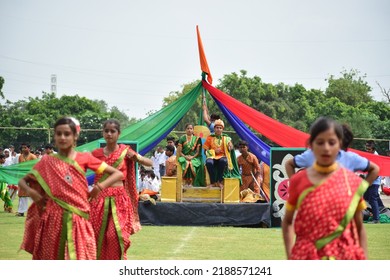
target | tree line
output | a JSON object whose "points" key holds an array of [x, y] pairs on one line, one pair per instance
{"points": [[347, 99], [42, 112]]}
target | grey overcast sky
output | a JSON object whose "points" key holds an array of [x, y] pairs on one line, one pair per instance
{"points": [[132, 54]]}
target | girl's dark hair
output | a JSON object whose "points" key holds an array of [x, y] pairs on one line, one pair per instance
{"points": [[114, 122], [323, 124], [187, 124], [68, 121]]}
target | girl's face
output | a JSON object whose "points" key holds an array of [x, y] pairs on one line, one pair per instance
{"points": [[326, 147], [64, 137], [110, 133], [189, 130]]}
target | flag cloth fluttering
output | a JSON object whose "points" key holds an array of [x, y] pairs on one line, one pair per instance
{"points": [[203, 62]]}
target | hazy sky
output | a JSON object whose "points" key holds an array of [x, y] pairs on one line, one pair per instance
{"points": [[132, 54]]}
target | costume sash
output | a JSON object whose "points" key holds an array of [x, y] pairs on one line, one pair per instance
{"points": [[54, 172], [116, 159], [115, 164], [131, 189], [47, 183], [189, 148], [225, 140], [344, 186], [109, 203], [349, 214]]}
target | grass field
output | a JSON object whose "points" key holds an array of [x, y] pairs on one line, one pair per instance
{"points": [[196, 243]]}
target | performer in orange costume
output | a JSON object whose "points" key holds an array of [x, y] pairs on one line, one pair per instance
{"points": [[217, 147]]}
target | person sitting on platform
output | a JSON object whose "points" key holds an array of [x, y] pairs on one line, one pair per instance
{"points": [[170, 163], [141, 181], [189, 155], [217, 147], [150, 182], [150, 188], [250, 169], [171, 142]]}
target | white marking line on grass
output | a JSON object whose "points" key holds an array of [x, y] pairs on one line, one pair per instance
{"points": [[184, 241]]}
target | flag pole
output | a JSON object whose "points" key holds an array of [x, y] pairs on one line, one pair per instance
{"points": [[205, 71], [203, 61]]}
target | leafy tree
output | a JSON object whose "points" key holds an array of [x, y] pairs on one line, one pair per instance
{"points": [[385, 93], [242, 87], [381, 109], [278, 101], [381, 131], [42, 112], [350, 89]]}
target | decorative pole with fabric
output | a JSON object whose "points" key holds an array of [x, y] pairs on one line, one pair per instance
{"points": [[232, 171], [205, 71], [203, 62]]}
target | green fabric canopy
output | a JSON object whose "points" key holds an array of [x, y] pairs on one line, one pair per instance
{"points": [[147, 132]]}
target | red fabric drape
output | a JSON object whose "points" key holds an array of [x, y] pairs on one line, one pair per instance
{"points": [[283, 135], [382, 161]]}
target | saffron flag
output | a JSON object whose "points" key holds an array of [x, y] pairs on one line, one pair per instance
{"points": [[203, 62]]}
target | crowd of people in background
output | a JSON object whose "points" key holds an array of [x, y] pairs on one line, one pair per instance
{"points": [[68, 217], [112, 200], [187, 153]]}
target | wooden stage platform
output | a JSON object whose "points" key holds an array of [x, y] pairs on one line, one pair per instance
{"points": [[205, 214], [201, 206]]}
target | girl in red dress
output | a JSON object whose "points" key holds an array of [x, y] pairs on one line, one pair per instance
{"points": [[57, 225], [114, 214], [327, 201]]}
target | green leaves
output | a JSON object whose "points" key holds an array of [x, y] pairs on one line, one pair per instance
{"points": [[42, 112], [350, 88]]}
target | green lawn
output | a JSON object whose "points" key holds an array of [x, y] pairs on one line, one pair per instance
{"points": [[196, 243]]}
